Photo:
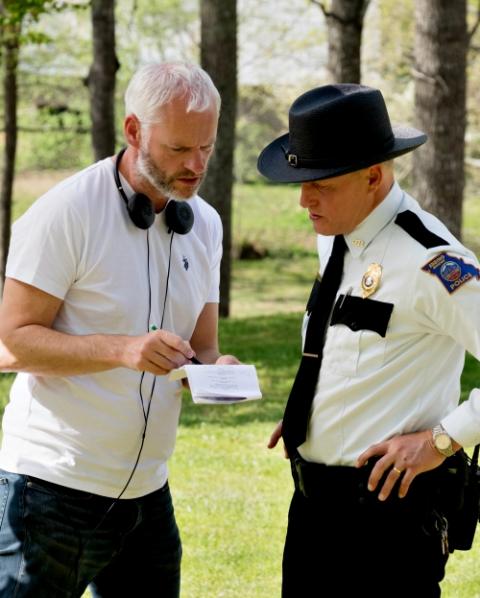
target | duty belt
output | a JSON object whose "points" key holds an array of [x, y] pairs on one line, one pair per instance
{"points": [[329, 483]]}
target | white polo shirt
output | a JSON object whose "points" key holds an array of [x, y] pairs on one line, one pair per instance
{"points": [[77, 243], [372, 387]]}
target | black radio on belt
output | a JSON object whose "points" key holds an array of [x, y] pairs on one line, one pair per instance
{"points": [[463, 513]]}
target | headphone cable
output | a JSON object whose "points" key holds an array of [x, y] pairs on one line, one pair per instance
{"points": [[146, 412], [168, 278]]}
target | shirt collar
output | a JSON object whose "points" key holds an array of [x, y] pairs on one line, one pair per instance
{"points": [[368, 229]]}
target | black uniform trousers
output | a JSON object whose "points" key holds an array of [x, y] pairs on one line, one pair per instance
{"points": [[342, 541]]}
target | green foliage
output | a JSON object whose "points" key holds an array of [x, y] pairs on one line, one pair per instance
{"points": [[55, 124], [396, 30], [270, 216], [471, 210], [28, 11], [470, 376], [161, 24], [5, 384], [473, 73], [272, 285], [261, 118], [14, 11], [58, 146]]}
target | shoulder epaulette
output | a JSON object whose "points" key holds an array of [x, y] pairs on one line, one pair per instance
{"points": [[413, 226]]}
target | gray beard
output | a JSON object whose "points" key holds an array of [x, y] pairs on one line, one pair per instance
{"points": [[147, 171]]}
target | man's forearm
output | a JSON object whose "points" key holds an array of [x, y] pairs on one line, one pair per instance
{"points": [[40, 350]]}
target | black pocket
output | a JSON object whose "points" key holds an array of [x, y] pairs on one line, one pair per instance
{"points": [[362, 314]]}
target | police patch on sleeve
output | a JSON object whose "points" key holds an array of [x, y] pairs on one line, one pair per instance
{"points": [[451, 270]]}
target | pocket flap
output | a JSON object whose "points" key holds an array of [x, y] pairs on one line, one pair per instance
{"points": [[362, 314]]}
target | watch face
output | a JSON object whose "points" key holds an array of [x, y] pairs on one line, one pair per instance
{"points": [[442, 441]]}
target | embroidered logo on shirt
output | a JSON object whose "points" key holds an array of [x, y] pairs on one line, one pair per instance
{"points": [[185, 263], [452, 271]]}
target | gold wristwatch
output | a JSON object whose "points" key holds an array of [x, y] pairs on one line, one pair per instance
{"points": [[442, 441]]}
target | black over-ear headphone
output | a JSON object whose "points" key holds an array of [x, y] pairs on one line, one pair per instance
{"points": [[178, 214]]}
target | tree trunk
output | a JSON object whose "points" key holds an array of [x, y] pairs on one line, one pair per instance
{"points": [[440, 107], [101, 78], [11, 42], [219, 59], [345, 24]]}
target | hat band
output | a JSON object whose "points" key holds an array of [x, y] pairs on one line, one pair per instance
{"points": [[295, 161]]}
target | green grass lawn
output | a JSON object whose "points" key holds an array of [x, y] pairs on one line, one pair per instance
{"points": [[231, 493]]}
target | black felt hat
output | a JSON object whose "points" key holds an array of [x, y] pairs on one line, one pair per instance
{"points": [[333, 130]]}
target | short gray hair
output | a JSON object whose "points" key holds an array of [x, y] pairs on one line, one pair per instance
{"points": [[155, 85]]}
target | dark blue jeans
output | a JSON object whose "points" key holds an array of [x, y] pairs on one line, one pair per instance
{"points": [[52, 546]]}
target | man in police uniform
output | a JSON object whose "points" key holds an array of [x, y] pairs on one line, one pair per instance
{"points": [[376, 447]]}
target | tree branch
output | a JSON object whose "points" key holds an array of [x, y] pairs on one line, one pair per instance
{"points": [[357, 20], [473, 30], [322, 7], [440, 80]]}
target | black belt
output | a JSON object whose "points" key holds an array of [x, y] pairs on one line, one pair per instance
{"points": [[336, 482], [316, 480]]}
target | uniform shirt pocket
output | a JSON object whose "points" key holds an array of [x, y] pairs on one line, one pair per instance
{"points": [[362, 314], [357, 335]]}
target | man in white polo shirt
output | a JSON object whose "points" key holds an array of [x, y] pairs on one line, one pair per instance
{"points": [[112, 281]]}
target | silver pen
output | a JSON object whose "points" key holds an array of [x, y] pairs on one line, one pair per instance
{"points": [[347, 292]]}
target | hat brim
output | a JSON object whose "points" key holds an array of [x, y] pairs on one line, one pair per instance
{"points": [[273, 164]]}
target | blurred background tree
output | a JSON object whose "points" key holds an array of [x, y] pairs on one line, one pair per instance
{"points": [[345, 25], [440, 74], [101, 79], [218, 56]]}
